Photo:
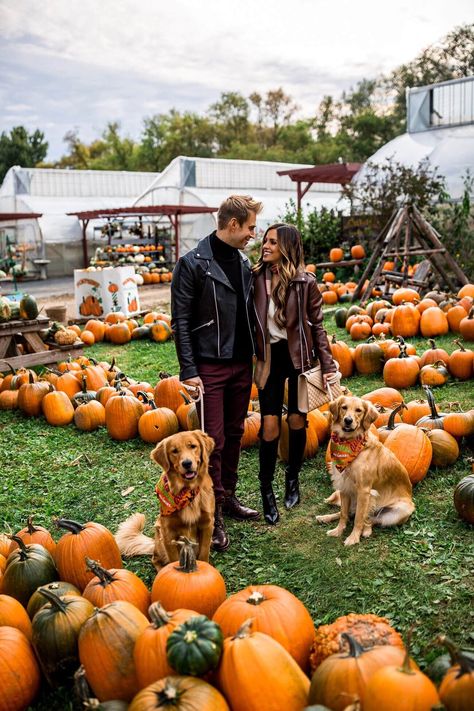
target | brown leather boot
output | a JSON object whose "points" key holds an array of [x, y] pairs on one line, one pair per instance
{"points": [[233, 508], [220, 540]]}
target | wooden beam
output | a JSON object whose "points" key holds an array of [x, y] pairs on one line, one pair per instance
{"points": [[434, 237]]}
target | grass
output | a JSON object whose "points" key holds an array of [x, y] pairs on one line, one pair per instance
{"points": [[420, 573]]}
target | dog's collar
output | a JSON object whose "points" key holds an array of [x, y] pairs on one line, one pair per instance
{"points": [[169, 502], [344, 451]]}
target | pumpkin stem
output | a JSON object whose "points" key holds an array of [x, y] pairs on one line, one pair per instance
{"points": [[463, 657], [21, 545], [405, 668], [244, 630], [105, 576], [169, 696], [460, 344], [112, 364], [72, 526], [31, 529], [256, 598], [431, 402], [432, 343], [163, 375], [187, 554], [54, 599], [355, 648], [158, 615], [185, 397], [12, 369], [147, 400], [393, 414]]}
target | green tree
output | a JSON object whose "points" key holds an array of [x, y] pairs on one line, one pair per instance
{"points": [[21, 148], [167, 136], [230, 116]]}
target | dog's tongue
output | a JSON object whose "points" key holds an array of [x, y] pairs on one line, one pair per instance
{"points": [[189, 475]]}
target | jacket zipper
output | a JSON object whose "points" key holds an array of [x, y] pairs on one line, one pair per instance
{"points": [[203, 325], [217, 321]]}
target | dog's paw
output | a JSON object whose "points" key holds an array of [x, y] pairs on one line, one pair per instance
{"points": [[367, 532], [352, 540], [334, 499], [335, 532]]}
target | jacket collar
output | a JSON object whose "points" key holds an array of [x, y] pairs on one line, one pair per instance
{"points": [[204, 251]]}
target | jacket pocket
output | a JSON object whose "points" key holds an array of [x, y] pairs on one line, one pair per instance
{"points": [[203, 325]]}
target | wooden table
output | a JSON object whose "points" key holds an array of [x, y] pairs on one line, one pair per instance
{"points": [[26, 332]]}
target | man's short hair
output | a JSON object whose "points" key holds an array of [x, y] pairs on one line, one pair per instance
{"points": [[238, 206]]}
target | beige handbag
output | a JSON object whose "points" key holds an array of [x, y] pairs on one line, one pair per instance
{"points": [[312, 392]]}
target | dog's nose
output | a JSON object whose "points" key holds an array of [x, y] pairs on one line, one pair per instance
{"points": [[187, 463], [348, 420]]}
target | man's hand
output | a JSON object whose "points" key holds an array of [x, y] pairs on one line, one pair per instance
{"points": [[192, 385]]}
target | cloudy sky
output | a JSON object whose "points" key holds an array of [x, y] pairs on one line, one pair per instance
{"points": [[68, 64]]}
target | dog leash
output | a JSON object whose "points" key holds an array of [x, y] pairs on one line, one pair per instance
{"points": [[199, 400], [334, 380]]}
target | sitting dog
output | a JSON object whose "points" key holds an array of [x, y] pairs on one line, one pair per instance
{"points": [[369, 480], [186, 501]]}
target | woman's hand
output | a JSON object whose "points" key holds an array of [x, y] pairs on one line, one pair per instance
{"points": [[331, 378]]}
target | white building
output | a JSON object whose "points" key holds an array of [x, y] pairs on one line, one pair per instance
{"points": [[440, 130], [56, 236]]}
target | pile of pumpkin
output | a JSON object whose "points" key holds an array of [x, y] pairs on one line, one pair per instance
{"points": [[116, 328], [186, 644], [94, 395], [436, 314], [26, 309]]}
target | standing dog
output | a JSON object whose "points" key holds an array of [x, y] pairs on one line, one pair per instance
{"points": [[372, 484], [186, 501]]}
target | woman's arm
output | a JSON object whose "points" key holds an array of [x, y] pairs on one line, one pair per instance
{"points": [[320, 338]]}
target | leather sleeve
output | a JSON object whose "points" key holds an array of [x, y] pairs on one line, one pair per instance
{"points": [[183, 294], [320, 337]]}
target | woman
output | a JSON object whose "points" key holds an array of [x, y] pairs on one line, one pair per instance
{"points": [[290, 335]]}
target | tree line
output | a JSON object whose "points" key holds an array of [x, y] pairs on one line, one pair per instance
{"points": [[260, 126]]}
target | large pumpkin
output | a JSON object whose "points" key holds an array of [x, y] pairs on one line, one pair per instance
{"points": [[19, 671], [249, 656], [149, 654], [57, 409], [464, 498], [59, 588], [460, 363], [311, 446], [405, 321], [368, 358], [466, 326], [56, 628], [180, 693], [369, 630], [13, 614], [122, 414], [190, 584], [89, 416], [106, 643], [89, 539], [401, 372], [393, 683], [276, 612], [35, 534], [167, 392], [342, 678], [433, 322], [342, 354], [412, 448], [388, 397], [445, 448], [115, 584], [30, 396], [157, 423]]}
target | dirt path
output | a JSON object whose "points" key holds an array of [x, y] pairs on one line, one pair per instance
{"points": [[151, 297]]}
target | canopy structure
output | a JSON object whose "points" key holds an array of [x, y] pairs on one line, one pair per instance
{"points": [[172, 212], [12, 216], [304, 178]]}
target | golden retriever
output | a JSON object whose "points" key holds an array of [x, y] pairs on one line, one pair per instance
{"points": [[184, 458], [374, 486]]}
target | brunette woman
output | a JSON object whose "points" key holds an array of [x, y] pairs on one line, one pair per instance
{"points": [[290, 336]]}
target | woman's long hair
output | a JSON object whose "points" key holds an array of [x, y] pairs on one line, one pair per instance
{"points": [[292, 261]]}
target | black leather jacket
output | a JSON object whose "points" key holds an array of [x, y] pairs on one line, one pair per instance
{"points": [[204, 306]]}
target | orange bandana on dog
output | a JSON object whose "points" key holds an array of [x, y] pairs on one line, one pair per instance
{"points": [[344, 451], [169, 502]]}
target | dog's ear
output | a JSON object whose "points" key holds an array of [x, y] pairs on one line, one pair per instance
{"points": [[370, 415], [207, 445], [334, 406], [160, 454]]}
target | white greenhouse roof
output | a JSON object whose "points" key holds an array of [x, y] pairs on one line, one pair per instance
{"points": [[450, 150]]}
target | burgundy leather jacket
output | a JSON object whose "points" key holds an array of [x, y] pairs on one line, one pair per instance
{"points": [[307, 339]]}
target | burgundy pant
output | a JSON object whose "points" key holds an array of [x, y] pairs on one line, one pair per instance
{"points": [[226, 398]]}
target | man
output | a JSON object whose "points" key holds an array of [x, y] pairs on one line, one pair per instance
{"points": [[212, 317]]}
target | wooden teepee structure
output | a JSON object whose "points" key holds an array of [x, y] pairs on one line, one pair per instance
{"points": [[409, 235]]}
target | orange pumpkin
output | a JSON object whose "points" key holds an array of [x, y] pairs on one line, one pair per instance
{"points": [[87, 337], [274, 611], [157, 423], [336, 255], [185, 692], [455, 315], [97, 328], [412, 448], [167, 392], [17, 690], [84, 540], [460, 362], [189, 584], [433, 322], [253, 655], [13, 614], [456, 690], [119, 334], [160, 331], [106, 643], [341, 354], [357, 252], [34, 534], [122, 414], [115, 584], [405, 320], [388, 397], [466, 326], [89, 416], [149, 653], [445, 448], [251, 429], [401, 372], [405, 294], [57, 408]]}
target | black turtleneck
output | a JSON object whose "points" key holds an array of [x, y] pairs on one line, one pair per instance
{"points": [[228, 258]]}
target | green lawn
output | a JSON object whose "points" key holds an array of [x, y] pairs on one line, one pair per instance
{"points": [[420, 573]]}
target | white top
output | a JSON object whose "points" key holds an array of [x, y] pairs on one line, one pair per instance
{"points": [[276, 333]]}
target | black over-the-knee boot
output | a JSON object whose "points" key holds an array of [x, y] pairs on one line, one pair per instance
{"points": [[296, 445], [267, 457]]}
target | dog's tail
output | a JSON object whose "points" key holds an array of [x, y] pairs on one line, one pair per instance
{"points": [[394, 515], [131, 539]]}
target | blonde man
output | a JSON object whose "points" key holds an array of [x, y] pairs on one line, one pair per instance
{"points": [[212, 316]]}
